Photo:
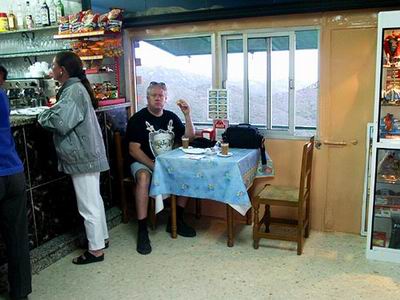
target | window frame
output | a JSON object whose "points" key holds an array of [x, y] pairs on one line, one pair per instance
{"points": [[218, 74], [267, 130]]}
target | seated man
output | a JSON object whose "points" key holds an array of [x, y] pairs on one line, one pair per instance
{"points": [[150, 132]]}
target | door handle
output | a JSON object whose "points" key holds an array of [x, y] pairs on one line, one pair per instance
{"points": [[334, 143], [318, 144]]}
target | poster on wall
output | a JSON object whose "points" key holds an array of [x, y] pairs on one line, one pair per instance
{"points": [[218, 104]]}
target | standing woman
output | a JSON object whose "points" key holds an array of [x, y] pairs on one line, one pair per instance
{"points": [[80, 148]]}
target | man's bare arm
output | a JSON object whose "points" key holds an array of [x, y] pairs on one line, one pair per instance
{"points": [[136, 152]]}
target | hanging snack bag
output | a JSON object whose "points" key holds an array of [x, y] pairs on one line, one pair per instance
{"points": [[114, 20], [103, 21], [89, 21]]}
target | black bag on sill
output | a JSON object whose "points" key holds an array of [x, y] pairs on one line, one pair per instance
{"points": [[245, 136]]}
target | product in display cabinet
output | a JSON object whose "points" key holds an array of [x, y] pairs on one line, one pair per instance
{"points": [[386, 221], [395, 233], [389, 125], [391, 45]]}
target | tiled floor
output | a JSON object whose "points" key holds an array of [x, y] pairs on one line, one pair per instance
{"points": [[333, 266]]}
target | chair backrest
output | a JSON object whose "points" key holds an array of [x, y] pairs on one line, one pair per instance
{"points": [[121, 155], [306, 170]]}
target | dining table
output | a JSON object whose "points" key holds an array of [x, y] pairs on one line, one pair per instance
{"points": [[206, 174]]}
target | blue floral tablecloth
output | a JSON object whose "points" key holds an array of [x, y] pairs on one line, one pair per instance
{"points": [[224, 179]]}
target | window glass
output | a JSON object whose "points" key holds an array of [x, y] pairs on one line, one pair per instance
{"points": [[306, 79], [280, 82], [234, 80], [183, 64], [257, 65]]}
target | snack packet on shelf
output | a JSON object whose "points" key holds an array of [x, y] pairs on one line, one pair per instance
{"points": [[63, 27], [89, 21], [75, 22], [115, 20], [103, 21], [113, 47]]}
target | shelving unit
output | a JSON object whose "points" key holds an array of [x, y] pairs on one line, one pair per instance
{"points": [[53, 27], [79, 35], [34, 53], [384, 201], [98, 35], [92, 57], [22, 48]]}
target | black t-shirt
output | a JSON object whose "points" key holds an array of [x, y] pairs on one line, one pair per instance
{"points": [[143, 122]]}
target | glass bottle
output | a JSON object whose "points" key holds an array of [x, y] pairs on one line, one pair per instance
{"points": [[20, 16], [52, 12], [59, 10], [3, 22], [38, 14], [28, 17], [45, 14], [12, 21]]}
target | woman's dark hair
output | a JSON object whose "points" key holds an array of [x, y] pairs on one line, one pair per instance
{"points": [[4, 72], [74, 67]]}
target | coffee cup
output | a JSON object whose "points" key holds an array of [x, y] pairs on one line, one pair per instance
{"points": [[185, 142], [224, 148]]}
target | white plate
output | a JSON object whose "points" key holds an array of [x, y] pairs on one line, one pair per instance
{"points": [[223, 155], [194, 150]]}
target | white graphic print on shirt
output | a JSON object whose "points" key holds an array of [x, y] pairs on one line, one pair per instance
{"points": [[161, 140]]}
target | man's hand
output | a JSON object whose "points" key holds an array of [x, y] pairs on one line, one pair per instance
{"points": [[184, 106]]}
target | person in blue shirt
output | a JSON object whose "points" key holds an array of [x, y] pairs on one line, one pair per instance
{"points": [[13, 201]]}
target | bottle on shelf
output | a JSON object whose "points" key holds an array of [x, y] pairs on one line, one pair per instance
{"points": [[45, 14], [59, 10], [3, 22], [38, 14], [52, 12], [12, 21], [20, 16], [29, 24]]}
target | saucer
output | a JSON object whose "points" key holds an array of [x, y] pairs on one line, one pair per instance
{"points": [[222, 155], [194, 150]]}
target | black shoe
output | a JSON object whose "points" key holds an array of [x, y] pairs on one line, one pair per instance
{"points": [[143, 243], [87, 258], [183, 229]]}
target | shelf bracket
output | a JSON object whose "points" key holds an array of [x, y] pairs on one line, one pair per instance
{"points": [[28, 59], [26, 35]]}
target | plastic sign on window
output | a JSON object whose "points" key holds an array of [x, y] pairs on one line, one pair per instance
{"points": [[218, 104]]}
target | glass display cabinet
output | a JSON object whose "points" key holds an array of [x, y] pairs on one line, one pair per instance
{"points": [[384, 216]]}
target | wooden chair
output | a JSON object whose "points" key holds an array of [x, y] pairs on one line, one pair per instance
{"points": [[295, 197], [125, 180]]}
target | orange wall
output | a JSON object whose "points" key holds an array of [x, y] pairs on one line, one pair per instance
{"points": [[347, 70]]}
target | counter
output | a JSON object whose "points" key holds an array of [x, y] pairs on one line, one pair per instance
{"points": [[51, 203]]}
